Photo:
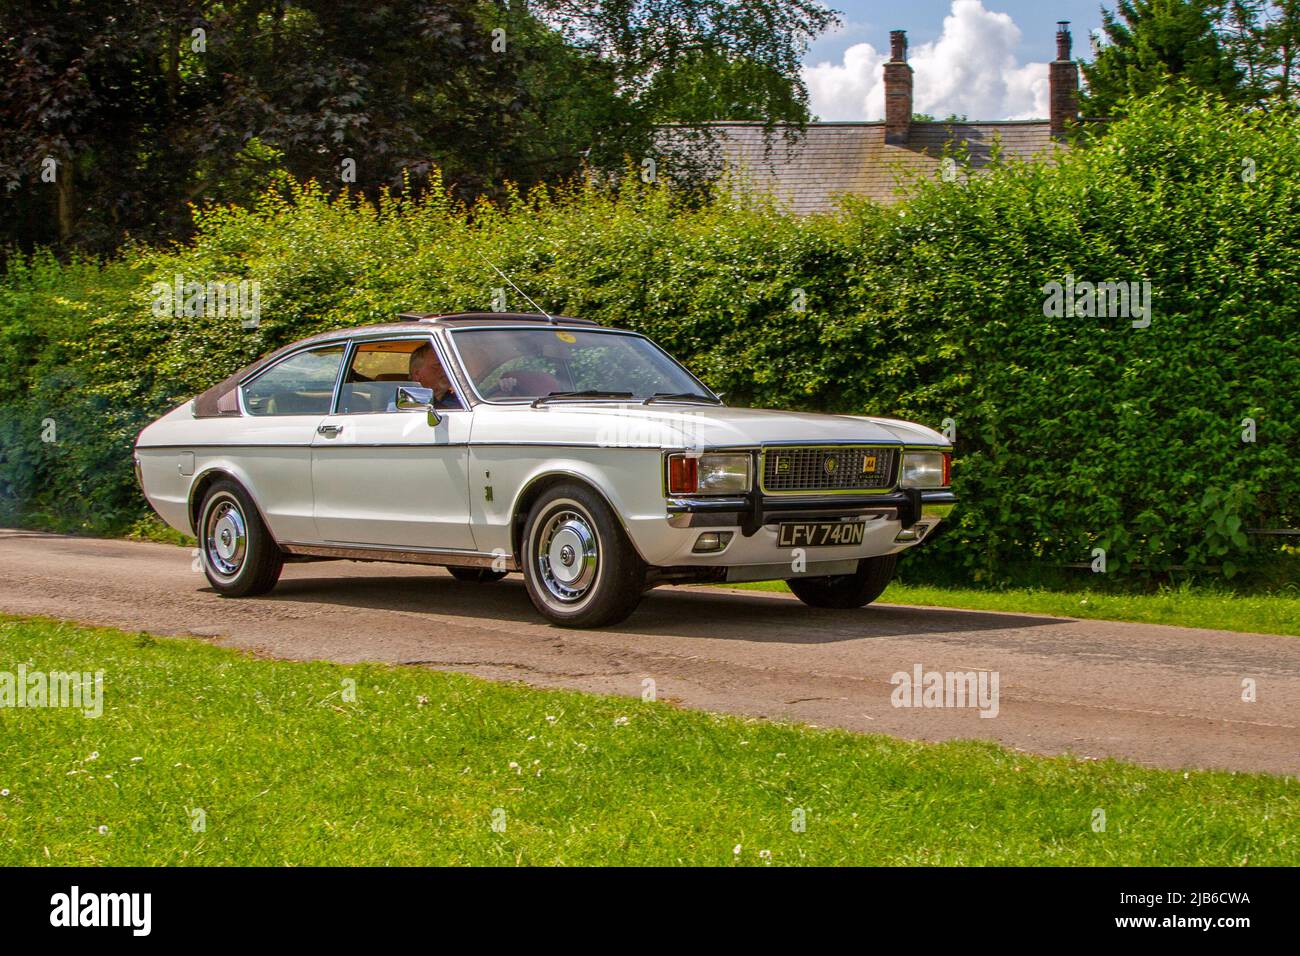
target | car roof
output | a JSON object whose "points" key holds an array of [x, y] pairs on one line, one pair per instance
{"points": [[450, 320], [206, 403], [492, 318]]}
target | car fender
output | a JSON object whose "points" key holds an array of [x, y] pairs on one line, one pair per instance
{"points": [[628, 479], [211, 471]]}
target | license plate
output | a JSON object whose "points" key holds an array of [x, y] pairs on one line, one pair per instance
{"points": [[821, 534]]}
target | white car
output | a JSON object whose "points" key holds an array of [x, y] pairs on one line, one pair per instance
{"points": [[584, 457]]}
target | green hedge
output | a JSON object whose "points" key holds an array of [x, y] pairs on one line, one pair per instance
{"points": [[1072, 433]]}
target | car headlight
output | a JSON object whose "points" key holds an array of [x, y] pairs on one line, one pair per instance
{"points": [[925, 469], [714, 474]]}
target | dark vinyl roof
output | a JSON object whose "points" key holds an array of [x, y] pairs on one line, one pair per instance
{"points": [[489, 317], [832, 159]]}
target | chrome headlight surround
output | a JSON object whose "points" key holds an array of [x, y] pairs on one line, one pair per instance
{"points": [[925, 469]]}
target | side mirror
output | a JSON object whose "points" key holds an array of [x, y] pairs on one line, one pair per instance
{"points": [[412, 398]]}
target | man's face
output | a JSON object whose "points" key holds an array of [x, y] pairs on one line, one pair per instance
{"points": [[427, 370]]}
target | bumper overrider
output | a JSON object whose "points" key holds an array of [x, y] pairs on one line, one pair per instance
{"points": [[752, 511]]}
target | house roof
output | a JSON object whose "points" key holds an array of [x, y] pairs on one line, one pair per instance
{"points": [[831, 159]]}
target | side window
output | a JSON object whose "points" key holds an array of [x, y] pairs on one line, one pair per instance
{"points": [[302, 384], [378, 369]]}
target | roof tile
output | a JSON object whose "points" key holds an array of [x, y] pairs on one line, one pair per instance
{"points": [[834, 159]]}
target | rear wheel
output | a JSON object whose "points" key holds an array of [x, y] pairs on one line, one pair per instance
{"points": [[847, 590], [477, 575], [239, 556], [579, 566]]}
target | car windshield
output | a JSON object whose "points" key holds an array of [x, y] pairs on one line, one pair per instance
{"points": [[509, 364]]}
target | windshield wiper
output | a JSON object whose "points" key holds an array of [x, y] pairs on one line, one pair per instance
{"points": [[584, 393], [681, 397]]}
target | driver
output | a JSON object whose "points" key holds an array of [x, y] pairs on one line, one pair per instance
{"points": [[427, 371]]}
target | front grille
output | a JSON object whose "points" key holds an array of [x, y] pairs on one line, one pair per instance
{"points": [[825, 468]]}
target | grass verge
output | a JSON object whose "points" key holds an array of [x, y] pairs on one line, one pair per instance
{"points": [[206, 756], [1183, 606]]}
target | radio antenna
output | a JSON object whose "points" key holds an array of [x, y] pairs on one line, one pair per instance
{"points": [[548, 315]]}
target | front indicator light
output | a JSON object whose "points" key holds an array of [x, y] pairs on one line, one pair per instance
{"points": [[683, 474], [708, 474]]}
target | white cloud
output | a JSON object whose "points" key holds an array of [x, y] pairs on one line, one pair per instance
{"points": [[970, 70]]}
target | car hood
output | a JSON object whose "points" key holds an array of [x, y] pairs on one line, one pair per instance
{"points": [[686, 426]]}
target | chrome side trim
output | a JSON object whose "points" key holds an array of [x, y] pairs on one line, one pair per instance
{"points": [[434, 556]]}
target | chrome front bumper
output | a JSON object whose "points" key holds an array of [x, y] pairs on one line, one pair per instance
{"points": [[752, 511]]}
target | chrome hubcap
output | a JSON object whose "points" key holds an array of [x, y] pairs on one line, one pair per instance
{"points": [[567, 555], [226, 540]]}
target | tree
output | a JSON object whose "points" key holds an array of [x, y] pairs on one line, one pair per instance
{"points": [[142, 107], [728, 57], [692, 62], [1263, 38], [1150, 42]]}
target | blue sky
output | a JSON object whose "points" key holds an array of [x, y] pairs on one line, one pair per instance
{"points": [[985, 59]]}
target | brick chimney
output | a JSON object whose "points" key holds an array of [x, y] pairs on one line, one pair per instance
{"points": [[898, 90], [1063, 83]]}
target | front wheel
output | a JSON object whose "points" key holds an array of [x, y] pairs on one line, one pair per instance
{"points": [[240, 558], [861, 587], [579, 566]]}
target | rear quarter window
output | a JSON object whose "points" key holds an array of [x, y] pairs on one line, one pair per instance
{"points": [[302, 384]]}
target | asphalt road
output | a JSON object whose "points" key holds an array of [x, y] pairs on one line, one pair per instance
{"points": [[1163, 696]]}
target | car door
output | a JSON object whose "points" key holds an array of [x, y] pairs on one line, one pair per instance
{"points": [[270, 443], [387, 478]]}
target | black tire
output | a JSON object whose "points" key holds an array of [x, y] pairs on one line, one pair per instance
{"points": [[579, 566], [477, 575], [239, 556], [847, 590]]}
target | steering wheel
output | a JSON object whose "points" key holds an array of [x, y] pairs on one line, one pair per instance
{"points": [[504, 388]]}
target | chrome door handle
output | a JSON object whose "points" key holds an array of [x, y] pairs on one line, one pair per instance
{"points": [[329, 431]]}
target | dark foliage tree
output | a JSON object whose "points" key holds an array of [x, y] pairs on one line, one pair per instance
{"points": [[115, 115], [1151, 42]]}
